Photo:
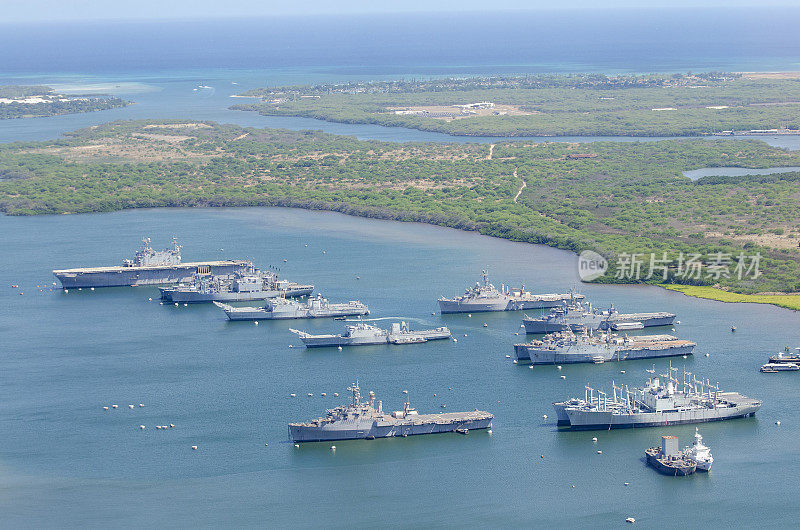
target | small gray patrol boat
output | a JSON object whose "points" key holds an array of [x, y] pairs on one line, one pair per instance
{"points": [[483, 297], [286, 308], [148, 267], [656, 404], [366, 421], [241, 286], [363, 334], [576, 314]]}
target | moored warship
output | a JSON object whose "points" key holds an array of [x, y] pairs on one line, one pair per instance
{"points": [[286, 308], [245, 285], [363, 334], [576, 314], [148, 267], [657, 403], [484, 297], [586, 347], [359, 421], [699, 453]]}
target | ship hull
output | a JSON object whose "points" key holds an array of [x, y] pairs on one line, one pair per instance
{"points": [[322, 342], [678, 470], [133, 276], [303, 433], [524, 352], [541, 326], [195, 297], [261, 314], [581, 420]]}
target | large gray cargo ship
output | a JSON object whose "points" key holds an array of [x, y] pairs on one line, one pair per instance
{"points": [[568, 347], [148, 267], [483, 297], [242, 286], [286, 308], [658, 403], [366, 421], [363, 334], [576, 314]]}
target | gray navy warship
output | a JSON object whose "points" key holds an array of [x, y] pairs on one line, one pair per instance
{"points": [[576, 314], [483, 297], [148, 267], [658, 403], [365, 421], [286, 308], [568, 347], [363, 334], [245, 285]]}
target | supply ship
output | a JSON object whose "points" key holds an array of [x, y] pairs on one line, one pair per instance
{"points": [[241, 286], [363, 334], [286, 308], [365, 421], [586, 347], [576, 314], [148, 267], [657, 403], [485, 297]]}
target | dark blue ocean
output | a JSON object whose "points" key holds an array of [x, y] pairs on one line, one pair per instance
{"points": [[66, 462]]}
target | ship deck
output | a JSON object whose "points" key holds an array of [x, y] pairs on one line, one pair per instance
{"points": [[423, 419], [122, 268]]}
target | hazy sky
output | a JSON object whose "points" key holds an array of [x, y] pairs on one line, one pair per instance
{"points": [[45, 10]]}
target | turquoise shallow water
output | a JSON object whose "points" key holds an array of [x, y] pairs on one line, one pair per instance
{"points": [[64, 461]]}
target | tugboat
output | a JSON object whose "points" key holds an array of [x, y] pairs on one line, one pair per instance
{"points": [[668, 459], [699, 453]]}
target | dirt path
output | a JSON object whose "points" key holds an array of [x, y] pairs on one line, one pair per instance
{"points": [[491, 150], [524, 185]]}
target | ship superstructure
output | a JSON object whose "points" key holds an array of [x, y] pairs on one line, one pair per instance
{"points": [[484, 296], [576, 314], [148, 267], [287, 308], [244, 285], [662, 401], [366, 420]]}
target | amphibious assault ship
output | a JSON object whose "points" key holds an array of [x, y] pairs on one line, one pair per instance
{"points": [[586, 347], [485, 297], [365, 421], [245, 285], [285, 308], [657, 403], [576, 314], [363, 334], [148, 267]]}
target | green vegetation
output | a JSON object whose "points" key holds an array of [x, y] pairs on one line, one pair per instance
{"points": [[623, 198], [547, 105], [789, 301], [37, 101]]}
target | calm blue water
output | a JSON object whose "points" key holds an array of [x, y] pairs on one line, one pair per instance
{"points": [[158, 64], [736, 171], [66, 462]]}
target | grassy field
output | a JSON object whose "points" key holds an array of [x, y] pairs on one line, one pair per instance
{"points": [[615, 198], [789, 301], [576, 105]]}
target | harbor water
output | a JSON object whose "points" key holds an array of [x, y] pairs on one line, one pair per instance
{"points": [[226, 387]]}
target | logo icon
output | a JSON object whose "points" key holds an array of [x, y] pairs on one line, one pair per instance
{"points": [[591, 265]]}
